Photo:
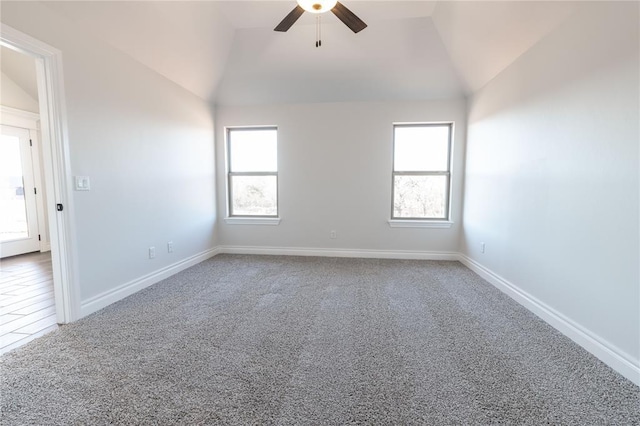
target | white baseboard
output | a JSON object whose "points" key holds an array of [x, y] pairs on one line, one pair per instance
{"points": [[599, 347], [357, 253], [45, 246], [608, 353], [102, 300]]}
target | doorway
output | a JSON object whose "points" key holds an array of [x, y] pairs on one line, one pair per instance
{"points": [[57, 210], [27, 302]]}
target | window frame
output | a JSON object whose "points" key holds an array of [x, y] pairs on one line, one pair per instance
{"points": [[230, 175], [408, 220]]}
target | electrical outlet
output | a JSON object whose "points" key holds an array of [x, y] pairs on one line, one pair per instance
{"points": [[333, 235], [170, 247], [152, 252], [482, 247]]}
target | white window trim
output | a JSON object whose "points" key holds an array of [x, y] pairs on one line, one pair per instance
{"points": [[417, 223], [252, 220], [424, 222], [248, 220]]}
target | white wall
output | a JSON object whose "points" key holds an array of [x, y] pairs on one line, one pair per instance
{"points": [[147, 145], [551, 180], [334, 163], [14, 96]]}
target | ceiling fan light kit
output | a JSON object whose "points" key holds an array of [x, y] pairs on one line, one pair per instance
{"points": [[347, 17], [317, 6]]}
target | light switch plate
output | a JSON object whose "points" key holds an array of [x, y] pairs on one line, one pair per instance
{"points": [[82, 183]]}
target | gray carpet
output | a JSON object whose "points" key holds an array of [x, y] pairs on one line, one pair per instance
{"points": [[288, 340]]}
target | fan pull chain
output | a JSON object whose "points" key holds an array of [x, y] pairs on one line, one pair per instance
{"points": [[318, 31]]}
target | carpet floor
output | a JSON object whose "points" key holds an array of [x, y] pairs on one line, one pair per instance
{"points": [[291, 340]]}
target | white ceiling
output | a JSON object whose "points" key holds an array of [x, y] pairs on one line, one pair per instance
{"points": [[21, 69], [483, 38], [267, 14], [402, 60], [187, 42], [226, 52]]}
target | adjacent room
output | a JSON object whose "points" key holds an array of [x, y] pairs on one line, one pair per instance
{"points": [[26, 281], [320, 212]]}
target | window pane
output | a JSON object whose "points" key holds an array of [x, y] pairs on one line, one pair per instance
{"points": [[253, 150], [254, 195], [420, 197], [421, 148]]}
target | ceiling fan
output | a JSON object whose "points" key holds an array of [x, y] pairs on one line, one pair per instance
{"points": [[321, 6]]}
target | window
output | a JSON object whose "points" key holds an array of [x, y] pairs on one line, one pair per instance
{"points": [[252, 155], [421, 171]]}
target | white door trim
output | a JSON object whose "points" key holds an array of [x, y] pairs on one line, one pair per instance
{"points": [[55, 150], [19, 118]]}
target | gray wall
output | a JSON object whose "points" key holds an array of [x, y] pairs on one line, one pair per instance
{"points": [[552, 174], [335, 163]]}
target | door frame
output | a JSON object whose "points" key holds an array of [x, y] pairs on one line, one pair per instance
{"points": [[57, 169]]}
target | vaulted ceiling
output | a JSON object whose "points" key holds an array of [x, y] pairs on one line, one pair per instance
{"points": [[226, 52], [21, 69]]}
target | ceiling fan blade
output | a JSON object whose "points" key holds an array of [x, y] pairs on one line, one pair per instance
{"points": [[349, 18], [289, 20]]}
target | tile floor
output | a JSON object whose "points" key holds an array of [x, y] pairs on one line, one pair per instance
{"points": [[27, 308]]}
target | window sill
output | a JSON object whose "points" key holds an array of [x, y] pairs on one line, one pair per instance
{"points": [[438, 224], [252, 220]]}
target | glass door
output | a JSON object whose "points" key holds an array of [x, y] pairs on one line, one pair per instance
{"points": [[18, 215]]}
